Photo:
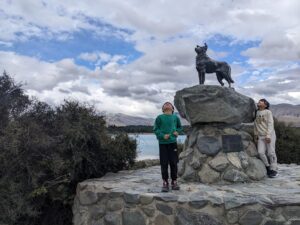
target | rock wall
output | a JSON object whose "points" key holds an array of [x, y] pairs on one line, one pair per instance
{"points": [[134, 198], [203, 159]]}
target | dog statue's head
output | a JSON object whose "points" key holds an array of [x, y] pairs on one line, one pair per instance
{"points": [[201, 50]]}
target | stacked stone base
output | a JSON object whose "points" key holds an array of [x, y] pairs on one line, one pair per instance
{"points": [[134, 198], [204, 160]]}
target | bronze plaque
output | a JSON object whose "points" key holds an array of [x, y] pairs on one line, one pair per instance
{"points": [[232, 143]]}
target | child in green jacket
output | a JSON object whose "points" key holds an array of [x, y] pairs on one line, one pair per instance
{"points": [[166, 128]]}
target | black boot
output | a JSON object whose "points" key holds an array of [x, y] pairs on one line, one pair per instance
{"points": [[175, 185], [273, 174], [268, 170], [165, 187]]}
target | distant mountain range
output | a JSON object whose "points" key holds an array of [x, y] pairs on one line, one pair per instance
{"points": [[283, 112], [121, 120], [287, 113]]}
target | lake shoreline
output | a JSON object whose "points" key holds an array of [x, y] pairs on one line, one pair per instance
{"points": [[147, 145]]}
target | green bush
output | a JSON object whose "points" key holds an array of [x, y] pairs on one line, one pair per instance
{"points": [[12, 100], [45, 152], [287, 143]]}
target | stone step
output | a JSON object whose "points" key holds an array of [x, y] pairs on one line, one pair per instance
{"points": [[135, 198]]}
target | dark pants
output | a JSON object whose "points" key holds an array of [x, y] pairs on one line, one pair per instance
{"points": [[168, 155]]}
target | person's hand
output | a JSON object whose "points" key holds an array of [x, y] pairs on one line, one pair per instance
{"points": [[175, 133], [268, 140], [166, 136]]}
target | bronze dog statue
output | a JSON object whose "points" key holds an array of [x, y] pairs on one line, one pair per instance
{"points": [[204, 64]]}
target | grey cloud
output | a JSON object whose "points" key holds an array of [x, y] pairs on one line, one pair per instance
{"points": [[40, 75], [137, 90], [79, 88], [127, 89], [274, 50], [95, 102], [272, 87], [276, 88], [163, 20], [172, 63], [116, 88], [64, 91], [265, 89], [57, 19], [293, 73], [167, 63], [142, 90], [150, 98]]}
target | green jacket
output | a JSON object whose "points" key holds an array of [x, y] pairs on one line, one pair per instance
{"points": [[167, 124]]}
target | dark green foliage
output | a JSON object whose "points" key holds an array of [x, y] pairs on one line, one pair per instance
{"points": [[12, 100], [131, 129], [287, 143], [138, 129], [45, 152], [144, 164]]}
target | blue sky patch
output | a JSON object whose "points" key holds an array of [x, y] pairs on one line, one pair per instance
{"points": [[221, 43], [79, 42]]}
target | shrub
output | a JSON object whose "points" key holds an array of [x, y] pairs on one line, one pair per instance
{"points": [[12, 99], [287, 143], [45, 152]]}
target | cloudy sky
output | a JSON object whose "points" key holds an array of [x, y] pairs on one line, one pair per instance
{"points": [[131, 56]]}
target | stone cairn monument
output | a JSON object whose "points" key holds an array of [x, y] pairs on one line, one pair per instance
{"points": [[217, 148], [218, 162]]}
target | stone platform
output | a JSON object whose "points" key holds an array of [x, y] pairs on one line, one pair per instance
{"points": [[134, 198]]}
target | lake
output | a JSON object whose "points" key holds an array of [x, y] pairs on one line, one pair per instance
{"points": [[147, 145]]}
